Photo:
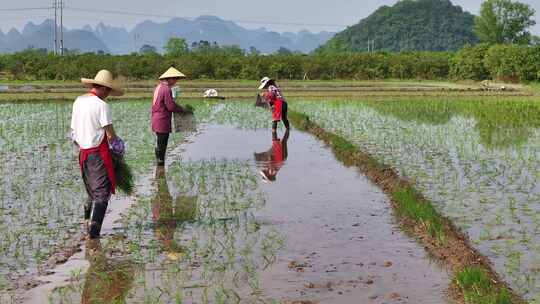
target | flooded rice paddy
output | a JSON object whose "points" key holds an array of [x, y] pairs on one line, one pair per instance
{"points": [[41, 191], [479, 162], [210, 229]]}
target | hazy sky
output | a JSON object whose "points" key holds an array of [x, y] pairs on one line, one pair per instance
{"points": [[315, 15]]}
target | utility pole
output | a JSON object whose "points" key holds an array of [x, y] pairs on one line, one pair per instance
{"points": [[135, 38], [61, 27], [371, 46], [58, 5], [55, 6]]}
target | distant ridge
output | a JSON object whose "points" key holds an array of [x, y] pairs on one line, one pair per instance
{"points": [[420, 25], [118, 40], [40, 37]]}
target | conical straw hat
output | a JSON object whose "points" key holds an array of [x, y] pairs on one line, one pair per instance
{"points": [[104, 78], [172, 73], [264, 81]]}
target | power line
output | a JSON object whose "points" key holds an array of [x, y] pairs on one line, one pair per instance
{"points": [[184, 17], [287, 23], [60, 5], [23, 18], [25, 9], [90, 10]]}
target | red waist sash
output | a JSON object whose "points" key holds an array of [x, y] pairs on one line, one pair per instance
{"points": [[278, 108], [106, 156]]}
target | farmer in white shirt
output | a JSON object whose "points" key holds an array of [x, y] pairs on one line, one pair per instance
{"points": [[93, 132]]}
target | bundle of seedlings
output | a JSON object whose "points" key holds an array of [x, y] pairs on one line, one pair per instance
{"points": [[124, 175], [260, 102], [185, 121]]}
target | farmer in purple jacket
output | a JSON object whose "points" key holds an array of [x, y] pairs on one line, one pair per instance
{"points": [[163, 106]]}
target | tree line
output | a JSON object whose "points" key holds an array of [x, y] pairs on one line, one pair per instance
{"points": [[508, 52], [509, 62]]}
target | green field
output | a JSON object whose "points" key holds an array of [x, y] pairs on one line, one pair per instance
{"points": [[474, 154], [243, 89]]}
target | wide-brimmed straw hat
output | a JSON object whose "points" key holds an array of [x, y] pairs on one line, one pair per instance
{"points": [[267, 176], [264, 81], [172, 73], [104, 78]]}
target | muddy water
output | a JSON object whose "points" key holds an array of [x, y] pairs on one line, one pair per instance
{"points": [[320, 232], [341, 244], [478, 162]]}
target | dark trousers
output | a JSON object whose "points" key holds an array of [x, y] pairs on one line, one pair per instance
{"points": [[283, 118], [161, 149], [98, 186]]}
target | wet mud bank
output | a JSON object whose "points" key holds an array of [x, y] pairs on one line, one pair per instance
{"points": [[473, 274]]}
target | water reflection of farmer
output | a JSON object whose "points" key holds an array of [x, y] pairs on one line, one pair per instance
{"points": [[272, 160], [108, 280], [168, 213]]}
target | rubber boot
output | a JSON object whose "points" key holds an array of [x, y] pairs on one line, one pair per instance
{"points": [[98, 214], [286, 123], [87, 209], [160, 157], [87, 212]]}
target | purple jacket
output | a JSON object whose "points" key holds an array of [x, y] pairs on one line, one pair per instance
{"points": [[162, 108]]}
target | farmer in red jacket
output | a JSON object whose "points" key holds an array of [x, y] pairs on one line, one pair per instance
{"points": [[275, 99], [163, 106]]}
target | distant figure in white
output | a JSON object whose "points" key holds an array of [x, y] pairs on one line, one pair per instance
{"points": [[211, 93]]}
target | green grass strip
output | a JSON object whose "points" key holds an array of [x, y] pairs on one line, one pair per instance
{"points": [[478, 289], [422, 212]]}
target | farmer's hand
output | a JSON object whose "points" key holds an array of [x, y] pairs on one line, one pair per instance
{"points": [[71, 137], [118, 146]]}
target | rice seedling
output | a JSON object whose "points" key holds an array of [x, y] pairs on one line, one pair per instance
{"points": [[193, 236], [477, 161], [42, 195], [243, 116]]}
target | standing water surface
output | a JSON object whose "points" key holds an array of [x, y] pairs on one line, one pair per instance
{"points": [[213, 231]]}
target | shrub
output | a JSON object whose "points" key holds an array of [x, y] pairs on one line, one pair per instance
{"points": [[468, 63], [513, 63], [506, 62]]}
